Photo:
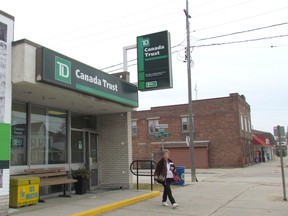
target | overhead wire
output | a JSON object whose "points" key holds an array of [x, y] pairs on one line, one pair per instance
{"points": [[220, 9], [209, 45], [241, 41], [245, 31], [83, 44], [209, 12], [239, 20], [115, 28], [215, 44], [136, 58], [112, 20]]}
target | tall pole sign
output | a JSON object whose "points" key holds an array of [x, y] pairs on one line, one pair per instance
{"points": [[279, 132], [6, 38], [154, 61]]}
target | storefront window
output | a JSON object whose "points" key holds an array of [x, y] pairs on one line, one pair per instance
{"points": [[38, 135], [19, 134], [57, 136], [48, 136]]}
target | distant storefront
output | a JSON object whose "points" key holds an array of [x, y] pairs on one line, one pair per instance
{"points": [[263, 143]]}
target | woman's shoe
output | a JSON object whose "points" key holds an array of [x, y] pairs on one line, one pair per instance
{"points": [[165, 204], [175, 205]]}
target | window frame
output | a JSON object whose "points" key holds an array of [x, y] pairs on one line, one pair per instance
{"points": [[182, 124], [134, 129], [188, 128], [155, 119], [25, 144]]}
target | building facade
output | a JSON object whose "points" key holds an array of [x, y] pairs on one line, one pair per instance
{"points": [[6, 38], [222, 132], [264, 145], [68, 114]]}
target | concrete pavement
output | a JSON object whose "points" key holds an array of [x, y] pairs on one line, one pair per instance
{"points": [[254, 190]]}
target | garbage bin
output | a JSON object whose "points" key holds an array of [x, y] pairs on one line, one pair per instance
{"points": [[24, 190], [181, 172]]}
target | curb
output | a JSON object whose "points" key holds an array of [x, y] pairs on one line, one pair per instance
{"points": [[119, 204]]}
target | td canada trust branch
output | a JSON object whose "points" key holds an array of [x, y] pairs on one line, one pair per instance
{"points": [[69, 114]]}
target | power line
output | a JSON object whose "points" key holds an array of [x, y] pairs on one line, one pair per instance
{"points": [[130, 64], [243, 41], [123, 26], [238, 20], [276, 46], [220, 9], [207, 45], [213, 37], [112, 20], [115, 65], [245, 31], [202, 4], [136, 59]]}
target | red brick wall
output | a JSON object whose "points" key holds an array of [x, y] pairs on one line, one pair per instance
{"points": [[216, 120]]}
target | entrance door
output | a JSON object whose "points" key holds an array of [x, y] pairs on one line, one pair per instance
{"points": [[77, 146], [92, 156]]}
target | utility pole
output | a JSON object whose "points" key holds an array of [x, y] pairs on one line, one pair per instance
{"points": [[191, 126]]}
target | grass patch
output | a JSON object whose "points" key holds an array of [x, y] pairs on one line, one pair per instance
{"points": [[156, 187]]}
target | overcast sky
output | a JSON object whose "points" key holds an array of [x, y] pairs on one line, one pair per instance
{"points": [[251, 59]]}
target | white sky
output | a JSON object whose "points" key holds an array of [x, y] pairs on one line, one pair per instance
{"points": [[95, 32]]}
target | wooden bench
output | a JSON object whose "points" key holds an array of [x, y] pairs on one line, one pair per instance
{"points": [[52, 176]]}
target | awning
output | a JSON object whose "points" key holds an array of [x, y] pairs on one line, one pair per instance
{"points": [[258, 141]]}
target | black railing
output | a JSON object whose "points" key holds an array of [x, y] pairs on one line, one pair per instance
{"points": [[143, 170]]}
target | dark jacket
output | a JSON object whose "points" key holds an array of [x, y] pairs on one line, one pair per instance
{"points": [[161, 170]]}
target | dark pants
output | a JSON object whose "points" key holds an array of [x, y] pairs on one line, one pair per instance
{"points": [[167, 191]]}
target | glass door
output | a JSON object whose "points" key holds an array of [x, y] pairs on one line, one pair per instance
{"points": [[77, 146], [92, 156]]}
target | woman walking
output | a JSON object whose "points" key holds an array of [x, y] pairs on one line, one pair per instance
{"points": [[164, 174]]}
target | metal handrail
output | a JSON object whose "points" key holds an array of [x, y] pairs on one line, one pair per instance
{"points": [[137, 174]]}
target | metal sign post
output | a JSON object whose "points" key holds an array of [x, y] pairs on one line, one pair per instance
{"points": [[282, 166]]}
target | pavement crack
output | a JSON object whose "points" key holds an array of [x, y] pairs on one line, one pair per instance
{"points": [[231, 200]]}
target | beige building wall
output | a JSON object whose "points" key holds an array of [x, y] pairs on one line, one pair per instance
{"points": [[115, 150]]}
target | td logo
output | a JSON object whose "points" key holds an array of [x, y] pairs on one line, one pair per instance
{"points": [[146, 42], [62, 70]]}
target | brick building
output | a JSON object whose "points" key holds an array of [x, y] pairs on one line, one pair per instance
{"points": [[222, 132]]}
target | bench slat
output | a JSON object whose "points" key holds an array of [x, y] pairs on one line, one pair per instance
{"points": [[56, 181], [45, 170], [53, 174]]}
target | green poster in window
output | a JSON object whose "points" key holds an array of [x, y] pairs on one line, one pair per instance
{"points": [[5, 141]]}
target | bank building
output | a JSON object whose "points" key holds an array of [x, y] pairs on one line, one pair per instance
{"points": [[64, 113]]}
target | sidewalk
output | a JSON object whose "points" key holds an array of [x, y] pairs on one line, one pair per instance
{"points": [[255, 190]]}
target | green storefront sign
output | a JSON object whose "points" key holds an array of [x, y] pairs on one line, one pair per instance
{"points": [[5, 131], [154, 61], [57, 69]]}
